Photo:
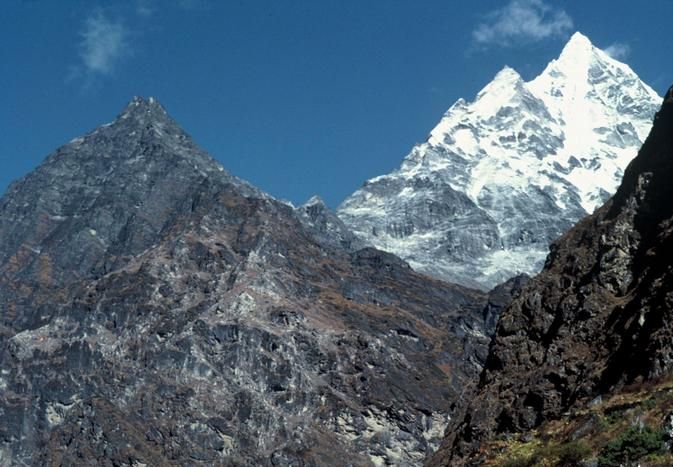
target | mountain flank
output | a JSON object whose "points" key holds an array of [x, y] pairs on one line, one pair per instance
{"points": [[498, 179], [594, 325], [157, 310]]}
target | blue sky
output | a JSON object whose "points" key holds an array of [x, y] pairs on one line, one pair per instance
{"points": [[300, 97]]}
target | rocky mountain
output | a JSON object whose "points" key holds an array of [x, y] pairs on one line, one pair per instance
{"points": [[501, 177], [325, 225], [594, 322], [157, 310]]}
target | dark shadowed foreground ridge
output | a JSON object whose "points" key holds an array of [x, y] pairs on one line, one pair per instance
{"points": [[594, 321]]}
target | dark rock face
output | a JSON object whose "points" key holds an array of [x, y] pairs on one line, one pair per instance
{"points": [[325, 226], [95, 203], [597, 317], [158, 311]]}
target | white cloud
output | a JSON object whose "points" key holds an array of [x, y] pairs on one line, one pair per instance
{"points": [[104, 43], [522, 21], [618, 50]]}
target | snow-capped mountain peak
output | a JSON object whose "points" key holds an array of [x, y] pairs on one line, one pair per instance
{"points": [[505, 81], [577, 46], [506, 85], [582, 69], [502, 176]]}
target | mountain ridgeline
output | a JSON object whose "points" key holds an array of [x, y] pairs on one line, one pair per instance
{"points": [[158, 311], [595, 320], [500, 178]]}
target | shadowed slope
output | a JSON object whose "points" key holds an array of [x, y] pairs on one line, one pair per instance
{"points": [[596, 318]]}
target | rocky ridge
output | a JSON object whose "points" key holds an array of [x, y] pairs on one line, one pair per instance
{"points": [[325, 225], [159, 311], [595, 320], [500, 178]]}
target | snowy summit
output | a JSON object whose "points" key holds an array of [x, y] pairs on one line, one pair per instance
{"points": [[501, 177]]}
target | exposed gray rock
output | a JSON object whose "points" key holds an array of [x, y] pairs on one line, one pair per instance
{"points": [[325, 225], [159, 311]]}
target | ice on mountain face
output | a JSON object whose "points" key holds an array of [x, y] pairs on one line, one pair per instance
{"points": [[501, 177]]}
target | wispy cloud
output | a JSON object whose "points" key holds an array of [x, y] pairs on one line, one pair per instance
{"points": [[145, 8], [618, 50], [522, 21], [105, 42]]}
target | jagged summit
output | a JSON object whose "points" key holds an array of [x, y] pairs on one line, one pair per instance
{"points": [[315, 200], [505, 83], [577, 58], [137, 117], [145, 110], [147, 138], [507, 74], [108, 195], [146, 104], [499, 178], [577, 44]]}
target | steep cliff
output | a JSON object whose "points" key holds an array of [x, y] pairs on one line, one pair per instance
{"points": [[596, 319]]}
